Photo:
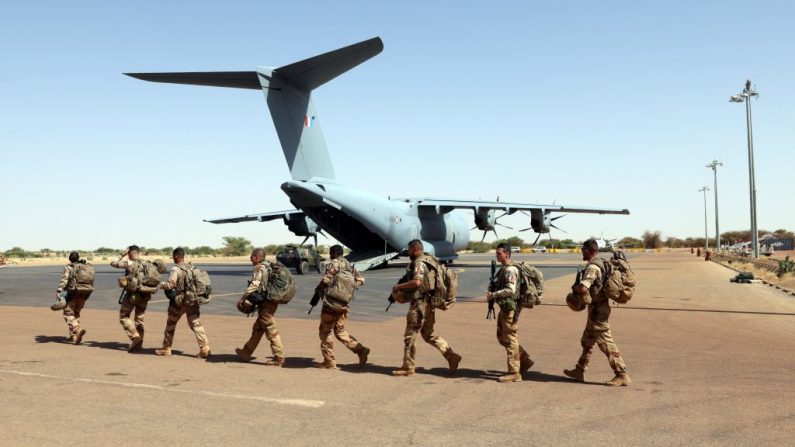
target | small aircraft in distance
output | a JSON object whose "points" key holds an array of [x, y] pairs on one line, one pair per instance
{"points": [[375, 228], [604, 244]]}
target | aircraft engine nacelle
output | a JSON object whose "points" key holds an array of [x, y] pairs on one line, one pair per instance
{"points": [[540, 221], [485, 220], [300, 225]]}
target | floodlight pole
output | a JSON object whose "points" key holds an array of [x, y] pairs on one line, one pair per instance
{"points": [[714, 165], [745, 96], [704, 189]]}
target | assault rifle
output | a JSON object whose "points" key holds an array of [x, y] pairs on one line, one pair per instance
{"points": [[313, 302], [492, 285]]}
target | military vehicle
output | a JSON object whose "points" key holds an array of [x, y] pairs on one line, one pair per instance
{"points": [[300, 258], [375, 228]]}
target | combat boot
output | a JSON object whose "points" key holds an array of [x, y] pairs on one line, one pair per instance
{"points": [[403, 372], [135, 344], [525, 365], [453, 360], [204, 352], [326, 365], [165, 352], [363, 353], [243, 355], [71, 338], [621, 379], [577, 373], [275, 361], [79, 336], [511, 377]]}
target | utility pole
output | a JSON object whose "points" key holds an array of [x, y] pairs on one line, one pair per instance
{"points": [[745, 96], [714, 165], [704, 189]]}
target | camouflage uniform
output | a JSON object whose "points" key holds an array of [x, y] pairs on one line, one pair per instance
{"points": [[335, 314], [74, 302], [597, 329], [132, 301], [265, 324], [420, 319], [179, 306], [505, 295]]}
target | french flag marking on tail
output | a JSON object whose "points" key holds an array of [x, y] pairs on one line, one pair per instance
{"points": [[309, 121]]}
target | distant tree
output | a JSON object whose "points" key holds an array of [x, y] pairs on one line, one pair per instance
{"points": [[107, 251], [204, 250], [479, 247], [17, 252], [784, 234], [674, 242], [513, 241], [630, 242], [236, 246], [652, 239]]}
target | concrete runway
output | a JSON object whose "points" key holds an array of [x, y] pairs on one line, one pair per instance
{"points": [[35, 286], [711, 364]]}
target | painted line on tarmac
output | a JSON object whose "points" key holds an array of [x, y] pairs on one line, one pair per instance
{"points": [[214, 296], [274, 400]]}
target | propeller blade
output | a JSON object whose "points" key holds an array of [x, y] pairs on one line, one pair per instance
{"points": [[553, 226], [506, 226], [501, 216], [495, 234], [537, 238], [558, 217], [315, 236], [525, 229], [305, 239], [473, 228], [484, 236]]}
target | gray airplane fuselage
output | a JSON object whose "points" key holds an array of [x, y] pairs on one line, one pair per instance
{"points": [[362, 220]]}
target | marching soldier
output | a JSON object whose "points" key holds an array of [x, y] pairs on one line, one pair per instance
{"points": [[265, 324], [132, 301], [337, 288], [421, 315], [597, 329], [75, 299], [180, 304], [505, 295]]}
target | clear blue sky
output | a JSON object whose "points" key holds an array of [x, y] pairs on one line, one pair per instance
{"points": [[610, 104]]}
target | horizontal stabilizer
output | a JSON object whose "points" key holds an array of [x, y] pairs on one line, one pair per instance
{"points": [[260, 217], [311, 73], [233, 79]]}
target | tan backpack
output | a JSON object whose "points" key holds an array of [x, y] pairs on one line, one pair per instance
{"points": [[618, 282], [145, 276], [440, 282], [531, 285], [197, 285], [82, 278], [280, 288], [343, 286]]}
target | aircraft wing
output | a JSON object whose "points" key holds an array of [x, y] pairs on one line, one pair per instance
{"points": [[445, 206], [261, 217]]}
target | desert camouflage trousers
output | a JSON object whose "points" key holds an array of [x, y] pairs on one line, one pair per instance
{"points": [[507, 335], [191, 312], [71, 313], [420, 322], [265, 325], [332, 320], [133, 301], [597, 332]]}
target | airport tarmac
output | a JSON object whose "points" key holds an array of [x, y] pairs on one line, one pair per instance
{"points": [[711, 364]]}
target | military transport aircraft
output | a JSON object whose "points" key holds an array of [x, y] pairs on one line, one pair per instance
{"points": [[375, 228]]}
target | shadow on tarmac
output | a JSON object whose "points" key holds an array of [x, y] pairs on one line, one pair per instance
{"points": [[52, 339], [674, 309]]}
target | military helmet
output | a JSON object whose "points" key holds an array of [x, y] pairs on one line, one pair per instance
{"points": [[160, 265], [575, 302], [59, 305], [245, 306]]}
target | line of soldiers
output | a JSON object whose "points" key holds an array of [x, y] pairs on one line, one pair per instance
{"points": [[420, 318]]}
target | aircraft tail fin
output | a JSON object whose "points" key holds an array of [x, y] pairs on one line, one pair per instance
{"points": [[288, 91]]}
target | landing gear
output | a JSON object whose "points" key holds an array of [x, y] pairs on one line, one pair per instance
{"points": [[303, 268]]}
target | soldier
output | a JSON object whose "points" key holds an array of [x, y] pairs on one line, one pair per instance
{"points": [[335, 311], [506, 294], [421, 315], [75, 300], [265, 324], [179, 304], [130, 301], [597, 329]]}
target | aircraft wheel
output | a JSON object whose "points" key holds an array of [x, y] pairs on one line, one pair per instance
{"points": [[303, 268]]}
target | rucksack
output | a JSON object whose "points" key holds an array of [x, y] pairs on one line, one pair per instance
{"points": [[145, 277], [440, 282], [343, 285], [82, 278], [280, 288], [197, 286], [530, 286], [618, 282]]}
